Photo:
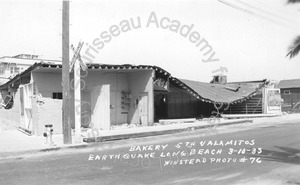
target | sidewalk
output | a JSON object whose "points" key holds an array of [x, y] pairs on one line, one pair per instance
{"points": [[14, 142], [158, 130]]}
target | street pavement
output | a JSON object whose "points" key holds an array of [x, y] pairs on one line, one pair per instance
{"points": [[237, 154]]}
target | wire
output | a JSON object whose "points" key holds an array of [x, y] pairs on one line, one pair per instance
{"points": [[266, 12], [268, 5], [251, 13]]}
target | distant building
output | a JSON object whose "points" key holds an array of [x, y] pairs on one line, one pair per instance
{"points": [[11, 66], [290, 93]]}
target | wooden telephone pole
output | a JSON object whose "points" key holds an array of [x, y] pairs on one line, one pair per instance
{"points": [[65, 75]]}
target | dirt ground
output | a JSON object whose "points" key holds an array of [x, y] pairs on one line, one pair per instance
{"points": [[8, 120]]}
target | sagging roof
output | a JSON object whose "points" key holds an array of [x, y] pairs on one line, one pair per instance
{"points": [[226, 93], [292, 83], [206, 92]]}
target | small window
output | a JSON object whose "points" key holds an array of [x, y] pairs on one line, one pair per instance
{"points": [[286, 92], [57, 95], [2, 69], [17, 70]]}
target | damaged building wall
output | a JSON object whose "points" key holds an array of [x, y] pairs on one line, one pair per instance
{"points": [[142, 105], [47, 83], [181, 104], [127, 91], [178, 103], [117, 83], [253, 105], [46, 111]]}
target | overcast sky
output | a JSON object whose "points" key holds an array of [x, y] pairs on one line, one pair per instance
{"points": [[249, 38]]}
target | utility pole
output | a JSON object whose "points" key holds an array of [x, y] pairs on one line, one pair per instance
{"points": [[66, 117]]}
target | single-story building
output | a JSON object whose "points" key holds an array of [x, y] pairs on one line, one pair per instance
{"points": [[118, 94], [290, 93]]}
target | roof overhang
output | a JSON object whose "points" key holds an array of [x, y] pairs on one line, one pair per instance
{"points": [[205, 92]]}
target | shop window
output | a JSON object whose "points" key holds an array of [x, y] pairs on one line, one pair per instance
{"points": [[286, 92], [125, 101], [57, 95]]}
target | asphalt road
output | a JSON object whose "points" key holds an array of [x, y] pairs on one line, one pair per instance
{"points": [[240, 154]]}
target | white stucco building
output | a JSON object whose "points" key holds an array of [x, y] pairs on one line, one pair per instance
{"points": [[11, 66]]}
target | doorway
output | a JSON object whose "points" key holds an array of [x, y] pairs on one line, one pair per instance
{"points": [[100, 97], [26, 93], [86, 110], [160, 106], [143, 108], [113, 107]]}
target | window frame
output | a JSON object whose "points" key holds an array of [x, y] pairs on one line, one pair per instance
{"points": [[57, 95]]}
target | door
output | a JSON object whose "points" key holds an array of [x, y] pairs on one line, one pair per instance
{"points": [[101, 106], [26, 93], [113, 107], [22, 107], [143, 108], [86, 109]]}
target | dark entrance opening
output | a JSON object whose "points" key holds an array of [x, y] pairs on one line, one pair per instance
{"points": [[160, 106]]}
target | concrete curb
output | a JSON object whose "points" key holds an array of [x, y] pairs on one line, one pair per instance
{"points": [[34, 151], [156, 133], [88, 141]]}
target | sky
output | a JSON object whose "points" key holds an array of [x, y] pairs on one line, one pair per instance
{"points": [[248, 38]]}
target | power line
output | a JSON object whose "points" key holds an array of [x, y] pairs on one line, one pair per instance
{"points": [[251, 13], [292, 14], [268, 5], [266, 12]]}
